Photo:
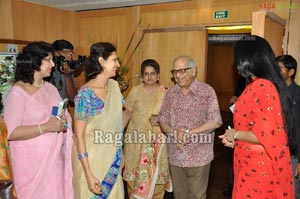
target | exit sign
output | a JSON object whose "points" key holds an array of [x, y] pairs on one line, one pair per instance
{"points": [[221, 14]]}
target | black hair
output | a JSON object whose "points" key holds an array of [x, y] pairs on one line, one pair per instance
{"points": [[30, 60], [150, 62], [289, 62], [254, 57], [92, 65], [61, 44]]}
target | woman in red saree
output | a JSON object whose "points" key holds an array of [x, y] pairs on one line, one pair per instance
{"points": [[264, 128], [40, 144]]}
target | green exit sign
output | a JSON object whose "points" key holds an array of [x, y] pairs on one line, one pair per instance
{"points": [[221, 14]]}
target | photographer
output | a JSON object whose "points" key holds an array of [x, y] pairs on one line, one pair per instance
{"points": [[62, 76]]}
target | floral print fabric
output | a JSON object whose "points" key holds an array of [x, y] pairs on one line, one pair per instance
{"points": [[146, 162]]}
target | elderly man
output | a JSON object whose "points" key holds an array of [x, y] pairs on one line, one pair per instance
{"points": [[189, 115]]}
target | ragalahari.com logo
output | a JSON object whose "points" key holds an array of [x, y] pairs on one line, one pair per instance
{"points": [[278, 5]]}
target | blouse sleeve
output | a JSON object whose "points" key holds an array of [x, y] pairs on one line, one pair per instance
{"points": [[13, 110], [82, 103]]}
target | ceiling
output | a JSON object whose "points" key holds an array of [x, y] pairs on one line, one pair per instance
{"points": [[82, 5]]}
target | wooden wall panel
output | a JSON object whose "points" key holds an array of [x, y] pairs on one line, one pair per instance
{"points": [[33, 22], [6, 22], [221, 74], [165, 46], [95, 27], [169, 18], [274, 32], [271, 27]]}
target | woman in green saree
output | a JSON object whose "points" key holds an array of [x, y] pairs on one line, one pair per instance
{"points": [[98, 128]]}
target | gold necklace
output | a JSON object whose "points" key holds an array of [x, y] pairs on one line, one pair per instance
{"points": [[38, 86]]}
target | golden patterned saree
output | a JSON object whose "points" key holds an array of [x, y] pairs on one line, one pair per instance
{"points": [[146, 162], [7, 189]]}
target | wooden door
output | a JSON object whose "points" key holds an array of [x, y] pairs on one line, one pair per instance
{"points": [[271, 27], [164, 44]]}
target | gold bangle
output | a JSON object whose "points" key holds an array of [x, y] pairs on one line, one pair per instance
{"points": [[40, 129], [235, 135]]}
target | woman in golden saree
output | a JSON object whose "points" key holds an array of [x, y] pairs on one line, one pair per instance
{"points": [[146, 163]]}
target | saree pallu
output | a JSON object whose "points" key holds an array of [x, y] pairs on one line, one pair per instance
{"points": [[103, 141], [42, 165]]}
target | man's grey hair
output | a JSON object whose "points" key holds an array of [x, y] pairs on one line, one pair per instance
{"points": [[190, 63]]}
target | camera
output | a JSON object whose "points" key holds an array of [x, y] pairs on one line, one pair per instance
{"points": [[72, 64]]}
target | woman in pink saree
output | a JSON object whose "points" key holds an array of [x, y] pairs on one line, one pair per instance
{"points": [[40, 144]]}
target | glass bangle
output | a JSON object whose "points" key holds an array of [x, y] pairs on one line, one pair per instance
{"points": [[83, 155]]}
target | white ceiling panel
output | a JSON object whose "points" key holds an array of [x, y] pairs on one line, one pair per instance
{"points": [[81, 5]]}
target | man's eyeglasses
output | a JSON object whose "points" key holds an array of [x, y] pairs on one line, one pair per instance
{"points": [[180, 71]]}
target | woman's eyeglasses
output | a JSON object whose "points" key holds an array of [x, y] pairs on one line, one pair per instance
{"points": [[180, 71]]}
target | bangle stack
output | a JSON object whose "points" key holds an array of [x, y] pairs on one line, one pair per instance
{"points": [[83, 155], [40, 129]]}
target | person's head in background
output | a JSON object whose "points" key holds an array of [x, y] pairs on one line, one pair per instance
{"points": [[288, 67], [254, 58], [102, 60], [34, 63], [64, 48], [184, 71], [150, 72]]}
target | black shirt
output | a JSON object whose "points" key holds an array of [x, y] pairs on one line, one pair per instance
{"points": [[294, 90]]}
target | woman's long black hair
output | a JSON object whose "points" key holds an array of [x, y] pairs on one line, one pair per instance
{"points": [[254, 57]]}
